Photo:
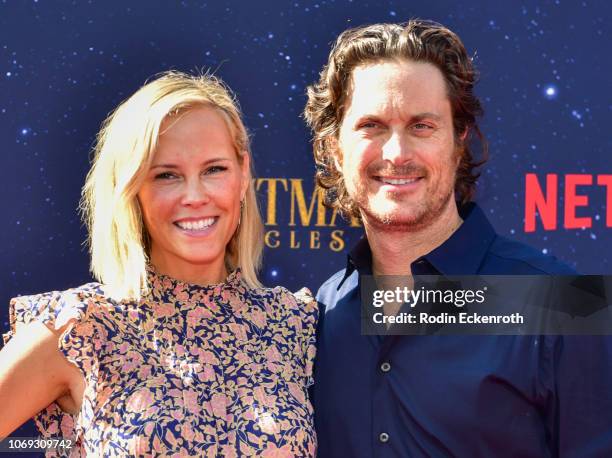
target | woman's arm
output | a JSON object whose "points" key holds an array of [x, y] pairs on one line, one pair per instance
{"points": [[33, 374]]}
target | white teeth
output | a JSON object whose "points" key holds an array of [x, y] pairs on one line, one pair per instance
{"points": [[398, 180], [196, 225]]}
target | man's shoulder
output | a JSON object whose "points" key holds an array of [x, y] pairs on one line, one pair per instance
{"points": [[332, 283], [334, 286], [511, 257]]}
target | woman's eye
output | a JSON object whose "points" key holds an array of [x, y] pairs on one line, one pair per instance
{"points": [[215, 169], [165, 176]]}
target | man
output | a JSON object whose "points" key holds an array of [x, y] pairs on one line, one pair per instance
{"points": [[393, 116]]}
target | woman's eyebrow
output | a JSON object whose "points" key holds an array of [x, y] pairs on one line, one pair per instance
{"points": [[174, 166]]}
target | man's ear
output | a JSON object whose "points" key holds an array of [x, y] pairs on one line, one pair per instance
{"points": [[333, 147], [461, 147]]}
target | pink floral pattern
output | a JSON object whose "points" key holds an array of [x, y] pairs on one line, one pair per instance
{"points": [[221, 370]]}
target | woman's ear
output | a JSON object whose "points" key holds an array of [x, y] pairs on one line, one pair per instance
{"points": [[245, 169]]}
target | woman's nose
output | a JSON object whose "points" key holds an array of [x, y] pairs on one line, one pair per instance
{"points": [[195, 193]]}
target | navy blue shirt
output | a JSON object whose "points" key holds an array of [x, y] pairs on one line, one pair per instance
{"points": [[465, 396]]}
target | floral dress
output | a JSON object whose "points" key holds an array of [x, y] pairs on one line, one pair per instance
{"points": [[210, 371]]}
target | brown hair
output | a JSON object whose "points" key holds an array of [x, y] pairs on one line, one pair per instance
{"points": [[417, 40]]}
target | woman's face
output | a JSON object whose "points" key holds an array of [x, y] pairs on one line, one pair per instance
{"points": [[191, 196]]}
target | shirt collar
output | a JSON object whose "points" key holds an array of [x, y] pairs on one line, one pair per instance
{"points": [[461, 254]]}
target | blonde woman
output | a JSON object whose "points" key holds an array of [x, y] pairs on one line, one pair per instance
{"points": [[178, 350]]}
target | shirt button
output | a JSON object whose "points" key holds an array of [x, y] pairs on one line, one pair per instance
{"points": [[383, 437], [385, 367]]}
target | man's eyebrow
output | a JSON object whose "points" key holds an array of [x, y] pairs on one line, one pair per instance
{"points": [[415, 117], [427, 115], [174, 166], [368, 117]]}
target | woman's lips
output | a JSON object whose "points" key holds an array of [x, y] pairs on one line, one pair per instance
{"points": [[196, 227]]}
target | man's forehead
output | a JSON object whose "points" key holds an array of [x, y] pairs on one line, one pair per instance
{"points": [[387, 71], [383, 85]]}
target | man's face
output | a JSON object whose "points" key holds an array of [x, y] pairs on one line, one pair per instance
{"points": [[396, 145]]}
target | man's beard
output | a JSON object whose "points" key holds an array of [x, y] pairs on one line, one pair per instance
{"points": [[421, 215]]}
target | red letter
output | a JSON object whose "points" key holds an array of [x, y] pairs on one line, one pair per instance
{"points": [[606, 180], [536, 202], [572, 201]]}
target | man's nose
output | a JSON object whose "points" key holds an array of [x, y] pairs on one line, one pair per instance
{"points": [[396, 149]]}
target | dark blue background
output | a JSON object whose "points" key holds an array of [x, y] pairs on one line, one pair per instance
{"points": [[65, 65]]}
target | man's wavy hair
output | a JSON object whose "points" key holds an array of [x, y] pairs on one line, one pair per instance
{"points": [[417, 40]]}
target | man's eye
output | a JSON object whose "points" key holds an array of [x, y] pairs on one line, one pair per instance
{"points": [[369, 125], [422, 126], [165, 176]]}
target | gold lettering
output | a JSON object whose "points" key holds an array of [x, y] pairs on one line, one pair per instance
{"points": [[315, 242], [337, 242], [272, 243], [271, 207], [293, 245], [298, 198], [332, 223]]}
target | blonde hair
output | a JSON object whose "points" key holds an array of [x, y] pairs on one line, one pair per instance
{"points": [[123, 154]]}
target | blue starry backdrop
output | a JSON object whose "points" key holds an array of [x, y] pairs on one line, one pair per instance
{"points": [[64, 66]]}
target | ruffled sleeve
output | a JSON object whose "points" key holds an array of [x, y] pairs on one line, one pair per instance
{"points": [[78, 342], [309, 314]]}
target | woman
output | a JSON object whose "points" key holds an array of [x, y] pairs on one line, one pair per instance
{"points": [[178, 350]]}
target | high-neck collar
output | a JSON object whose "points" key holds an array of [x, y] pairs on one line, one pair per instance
{"points": [[160, 284]]}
